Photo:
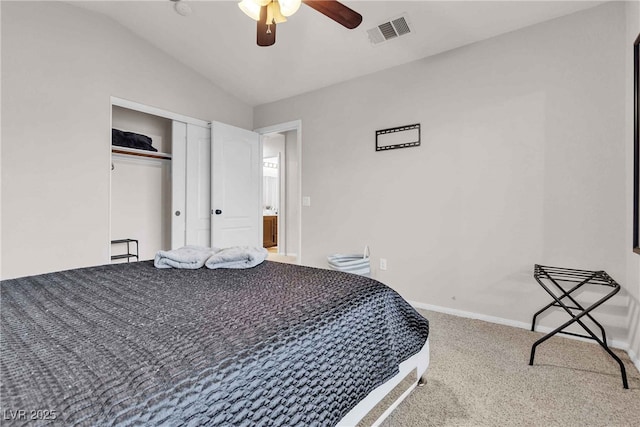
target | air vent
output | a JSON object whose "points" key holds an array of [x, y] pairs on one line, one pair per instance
{"points": [[389, 30]]}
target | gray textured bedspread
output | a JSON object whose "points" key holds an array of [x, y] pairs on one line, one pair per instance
{"points": [[130, 344]]}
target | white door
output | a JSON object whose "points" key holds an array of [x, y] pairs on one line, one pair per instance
{"points": [[236, 187], [178, 184], [198, 204], [190, 185]]}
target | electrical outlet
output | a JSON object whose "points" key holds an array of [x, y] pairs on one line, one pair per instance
{"points": [[383, 263]]}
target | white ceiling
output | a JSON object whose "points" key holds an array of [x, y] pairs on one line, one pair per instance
{"points": [[312, 51]]}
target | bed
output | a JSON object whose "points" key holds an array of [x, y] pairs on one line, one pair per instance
{"points": [[129, 344]]}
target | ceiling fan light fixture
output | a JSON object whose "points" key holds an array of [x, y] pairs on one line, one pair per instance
{"points": [[251, 8], [289, 7], [273, 13]]}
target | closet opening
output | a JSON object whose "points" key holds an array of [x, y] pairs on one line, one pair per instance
{"points": [[161, 197], [140, 208]]}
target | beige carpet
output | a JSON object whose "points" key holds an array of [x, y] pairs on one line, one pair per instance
{"points": [[281, 258], [479, 376]]}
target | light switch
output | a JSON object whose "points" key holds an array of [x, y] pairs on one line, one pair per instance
{"points": [[306, 201]]}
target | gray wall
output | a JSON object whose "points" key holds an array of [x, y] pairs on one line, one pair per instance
{"points": [[522, 161], [60, 65]]}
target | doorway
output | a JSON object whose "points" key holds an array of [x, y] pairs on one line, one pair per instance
{"points": [[281, 200], [273, 196]]}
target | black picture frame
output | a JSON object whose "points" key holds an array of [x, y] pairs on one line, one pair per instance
{"points": [[398, 137], [636, 145]]}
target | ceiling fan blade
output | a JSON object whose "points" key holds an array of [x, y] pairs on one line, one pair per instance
{"points": [[266, 34], [336, 11]]}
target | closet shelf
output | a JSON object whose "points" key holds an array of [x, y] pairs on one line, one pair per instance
{"points": [[142, 153]]}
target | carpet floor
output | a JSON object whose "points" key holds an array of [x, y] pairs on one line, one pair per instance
{"points": [[479, 376]]}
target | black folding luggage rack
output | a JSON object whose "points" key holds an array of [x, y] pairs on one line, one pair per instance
{"points": [[568, 281]]}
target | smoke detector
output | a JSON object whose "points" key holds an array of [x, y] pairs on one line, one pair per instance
{"points": [[181, 7], [392, 29]]}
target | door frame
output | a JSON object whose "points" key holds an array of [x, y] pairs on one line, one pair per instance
{"points": [[155, 111], [286, 127]]}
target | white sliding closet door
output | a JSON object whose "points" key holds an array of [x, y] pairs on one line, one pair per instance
{"points": [[236, 185], [198, 214], [178, 184], [191, 185]]}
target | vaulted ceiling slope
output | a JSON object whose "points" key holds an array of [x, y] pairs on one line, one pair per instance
{"points": [[218, 40]]}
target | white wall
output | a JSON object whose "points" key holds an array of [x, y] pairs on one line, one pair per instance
{"points": [[273, 146], [633, 260], [522, 162], [60, 65]]}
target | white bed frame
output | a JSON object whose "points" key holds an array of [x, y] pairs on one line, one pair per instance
{"points": [[417, 363]]}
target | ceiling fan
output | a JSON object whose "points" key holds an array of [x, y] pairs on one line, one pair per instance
{"points": [[268, 13]]}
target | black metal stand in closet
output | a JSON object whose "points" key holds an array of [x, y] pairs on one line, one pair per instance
{"points": [[128, 255], [568, 281]]}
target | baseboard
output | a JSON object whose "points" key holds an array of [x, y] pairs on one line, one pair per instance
{"points": [[516, 324], [634, 358]]}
